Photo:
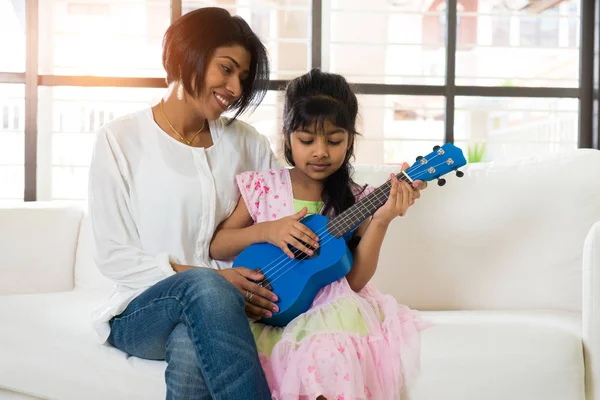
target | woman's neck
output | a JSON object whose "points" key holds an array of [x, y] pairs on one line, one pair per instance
{"points": [[181, 115], [304, 187]]}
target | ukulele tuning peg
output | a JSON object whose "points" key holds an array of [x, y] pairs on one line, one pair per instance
{"points": [[460, 174], [435, 148], [419, 158], [441, 181]]}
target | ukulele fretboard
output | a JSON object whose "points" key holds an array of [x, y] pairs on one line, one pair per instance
{"points": [[355, 215]]}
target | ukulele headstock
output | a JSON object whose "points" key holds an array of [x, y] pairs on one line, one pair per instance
{"points": [[442, 160]]}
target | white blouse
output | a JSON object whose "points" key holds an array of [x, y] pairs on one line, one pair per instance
{"points": [[154, 200]]}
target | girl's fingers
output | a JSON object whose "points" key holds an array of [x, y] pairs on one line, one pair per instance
{"points": [[306, 231], [284, 247], [393, 190], [406, 197], [297, 244], [298, 234]]}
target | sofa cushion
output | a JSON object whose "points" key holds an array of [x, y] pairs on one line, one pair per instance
{"points": [[37, 247], [474, 355], [50, 350]]}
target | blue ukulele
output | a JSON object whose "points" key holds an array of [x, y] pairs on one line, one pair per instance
{"points": [[297, 281]]}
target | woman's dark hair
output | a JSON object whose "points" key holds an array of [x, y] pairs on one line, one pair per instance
{"points": [[191, 41], [310, 100]]}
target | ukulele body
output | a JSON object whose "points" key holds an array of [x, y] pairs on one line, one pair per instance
{"points": [[297, 281]]}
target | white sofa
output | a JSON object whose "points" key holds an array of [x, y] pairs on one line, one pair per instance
{"points": [[505, 262]]}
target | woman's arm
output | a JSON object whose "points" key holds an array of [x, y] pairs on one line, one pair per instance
{"points": [[117, 249]]}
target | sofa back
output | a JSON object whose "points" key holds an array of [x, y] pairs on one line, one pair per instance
{"points": [[37, 247], [508, 235]]}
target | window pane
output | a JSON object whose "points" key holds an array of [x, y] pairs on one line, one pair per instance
{"points": [[12, 139], [282, 25], [12, 35], [398, 128], [518, 48], [83, 38], [69, 118], [408, 46], [515, 127]]}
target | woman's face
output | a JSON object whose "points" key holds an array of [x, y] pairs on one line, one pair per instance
{"points": [[224, 80]]}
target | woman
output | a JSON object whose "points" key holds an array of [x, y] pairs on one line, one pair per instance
{"points": [[161, 180]]}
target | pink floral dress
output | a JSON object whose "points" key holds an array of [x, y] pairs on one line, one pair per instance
{"points": [[348, 345]]}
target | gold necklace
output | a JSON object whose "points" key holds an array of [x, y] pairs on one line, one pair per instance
{"points": [[184, 140]]}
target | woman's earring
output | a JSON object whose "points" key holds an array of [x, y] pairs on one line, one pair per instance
{"points": [[180, 90]]}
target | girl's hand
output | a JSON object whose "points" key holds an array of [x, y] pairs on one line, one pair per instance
{"points": [[289, 231], [259, 300], [400, 199]]}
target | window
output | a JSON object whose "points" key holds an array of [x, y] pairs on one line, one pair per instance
{"points": [[519, 48], [400, 51], [500, 26], [12, 35], [540, 29], [12, 139], [515, 127], [393, 50], [97, 38], [398, 128]]}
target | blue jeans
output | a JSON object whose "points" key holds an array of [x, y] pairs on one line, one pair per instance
{"points": [[195, 321]]}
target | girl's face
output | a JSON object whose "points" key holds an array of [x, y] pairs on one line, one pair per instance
{"points": [[223, 81], [319, 150]]}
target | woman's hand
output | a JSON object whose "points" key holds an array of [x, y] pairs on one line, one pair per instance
{"points": [[290, 231], [259, 299]]}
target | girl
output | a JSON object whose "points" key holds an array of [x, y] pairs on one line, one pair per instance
{"points": [[354, 342]]}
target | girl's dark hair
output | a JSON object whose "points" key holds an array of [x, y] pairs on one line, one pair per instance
{"points": [[310, 100], [192, 39]]}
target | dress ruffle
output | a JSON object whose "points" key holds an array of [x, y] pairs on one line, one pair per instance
{"points": [[348, 346]]}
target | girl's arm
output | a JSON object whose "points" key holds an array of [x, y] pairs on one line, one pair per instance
{"points": [[366, 255], [235, 234], [238, 232]]}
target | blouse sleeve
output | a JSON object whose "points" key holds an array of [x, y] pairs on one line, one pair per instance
{"points": [[267, 161], [117, 249]]}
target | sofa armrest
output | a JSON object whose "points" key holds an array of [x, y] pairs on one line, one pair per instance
{"points": [[591, 311], [38, 242]]}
